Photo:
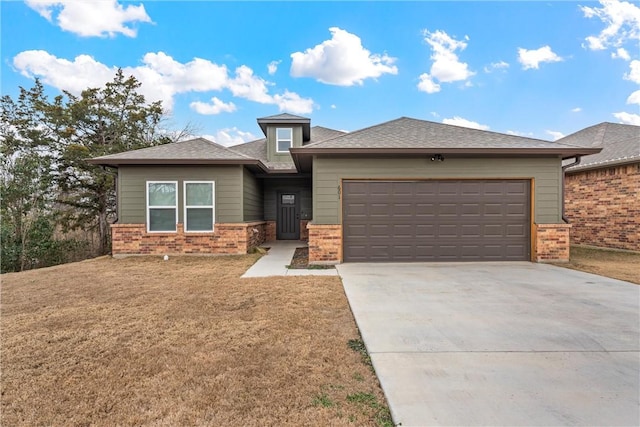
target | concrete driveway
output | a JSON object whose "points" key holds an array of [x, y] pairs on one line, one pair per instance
{"points": [[499, 343]]}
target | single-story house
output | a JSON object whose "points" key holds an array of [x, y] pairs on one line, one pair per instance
{"points": [[403, 190], [602, 191]]}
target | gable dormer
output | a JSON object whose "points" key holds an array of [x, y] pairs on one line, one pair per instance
{"points": [[284, 131]]}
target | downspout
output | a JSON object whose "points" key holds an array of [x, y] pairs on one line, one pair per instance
{"points": [[576, 163]]}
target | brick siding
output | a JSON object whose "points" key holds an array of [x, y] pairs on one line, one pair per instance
{"points": [[325, 244], [304, 231], [552, 242], [133, 239], [272, 232], [603, 205]]}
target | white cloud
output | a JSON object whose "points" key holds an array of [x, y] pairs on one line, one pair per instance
{"points": [[634, 71], [290, 101], [621, 53], [341, 61], [634, 98], [230, 136], [427, 84], [333, 106], [622, 20], [459, 121], [628, 118], [576, 110], [555, 134], [446, 66], [162, 78], [216, 107], [73, 76], [272, 67], [92, 18], [516, 133], [532, 58], [500, 65]]}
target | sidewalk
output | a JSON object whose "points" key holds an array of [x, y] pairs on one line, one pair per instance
{"points": [[275, 262]]}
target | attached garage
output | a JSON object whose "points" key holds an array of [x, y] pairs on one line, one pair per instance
{"points": [[436, 220]]}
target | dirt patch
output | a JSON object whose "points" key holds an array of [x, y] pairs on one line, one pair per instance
{"points": [[614, 264], [301, 260], [141, 341]]}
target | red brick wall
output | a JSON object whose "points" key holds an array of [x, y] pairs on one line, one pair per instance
{"points": [[552, 242], [325, 244], [271, 231], [133, 239], [272, 234], [304, 231], [603, 205]]}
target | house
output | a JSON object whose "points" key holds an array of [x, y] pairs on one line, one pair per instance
{"points": [[602, 191], [403, 190]]}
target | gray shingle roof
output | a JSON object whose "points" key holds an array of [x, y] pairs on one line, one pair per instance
{"points": [[620, 144], [258, 149], [198, 149], [413, 133], [283, 116]]}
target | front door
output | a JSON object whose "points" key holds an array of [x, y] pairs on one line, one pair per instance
{"points": [[288, 220]]}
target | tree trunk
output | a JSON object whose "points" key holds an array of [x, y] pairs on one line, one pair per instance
{"points": [[104, 232]]}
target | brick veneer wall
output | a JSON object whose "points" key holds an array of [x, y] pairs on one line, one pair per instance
{"points": [[552, 242], [603, 205], [271, 231], [325, 244], [133, 239], [304, 231]]}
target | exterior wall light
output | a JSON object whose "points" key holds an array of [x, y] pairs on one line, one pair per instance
{"points": [[437, 158]]}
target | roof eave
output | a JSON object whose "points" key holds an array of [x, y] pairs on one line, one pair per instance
{"points": [[565, 152], [602, 165], [149, 162]]}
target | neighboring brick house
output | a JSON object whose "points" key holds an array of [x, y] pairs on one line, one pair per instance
{"points": [[602, 192], [403, 190]]}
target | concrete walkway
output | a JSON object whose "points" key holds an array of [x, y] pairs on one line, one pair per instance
{"points": [[517, 344], [275, 261]]}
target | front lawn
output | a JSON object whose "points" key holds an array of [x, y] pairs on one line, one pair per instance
{"points": [[614, 264], [142, 341]]}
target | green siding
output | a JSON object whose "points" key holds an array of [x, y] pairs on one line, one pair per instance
{"points": [[252, 202], [132, 187], [272, 186], [328, 172], [274, 156]]}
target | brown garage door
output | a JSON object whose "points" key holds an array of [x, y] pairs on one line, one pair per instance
{"points": [[438, 220]]}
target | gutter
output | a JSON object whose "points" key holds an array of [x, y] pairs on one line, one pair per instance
{"points": [[564, 168]]}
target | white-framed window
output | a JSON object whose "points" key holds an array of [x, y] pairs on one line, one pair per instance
{"points": [[162, 206], [199, 206], [284, 139]]}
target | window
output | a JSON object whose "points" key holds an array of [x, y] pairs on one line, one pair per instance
{"points": [[198, 205], [283, 140], [162, 206]]}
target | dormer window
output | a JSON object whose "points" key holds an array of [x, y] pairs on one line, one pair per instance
{"points": [[284, 139]]}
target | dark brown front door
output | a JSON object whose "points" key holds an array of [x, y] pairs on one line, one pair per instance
{"points": [[436, 220], [288, 218]]}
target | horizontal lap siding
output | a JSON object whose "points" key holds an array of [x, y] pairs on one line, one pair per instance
{"points": [[328, 172], [132, 188], [252, 197]]}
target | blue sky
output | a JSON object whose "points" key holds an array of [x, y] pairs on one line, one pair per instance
{"points": [[539, 69]]}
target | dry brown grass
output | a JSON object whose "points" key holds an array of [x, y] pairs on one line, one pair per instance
{"points": [[141, 341], [614, 264]]}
